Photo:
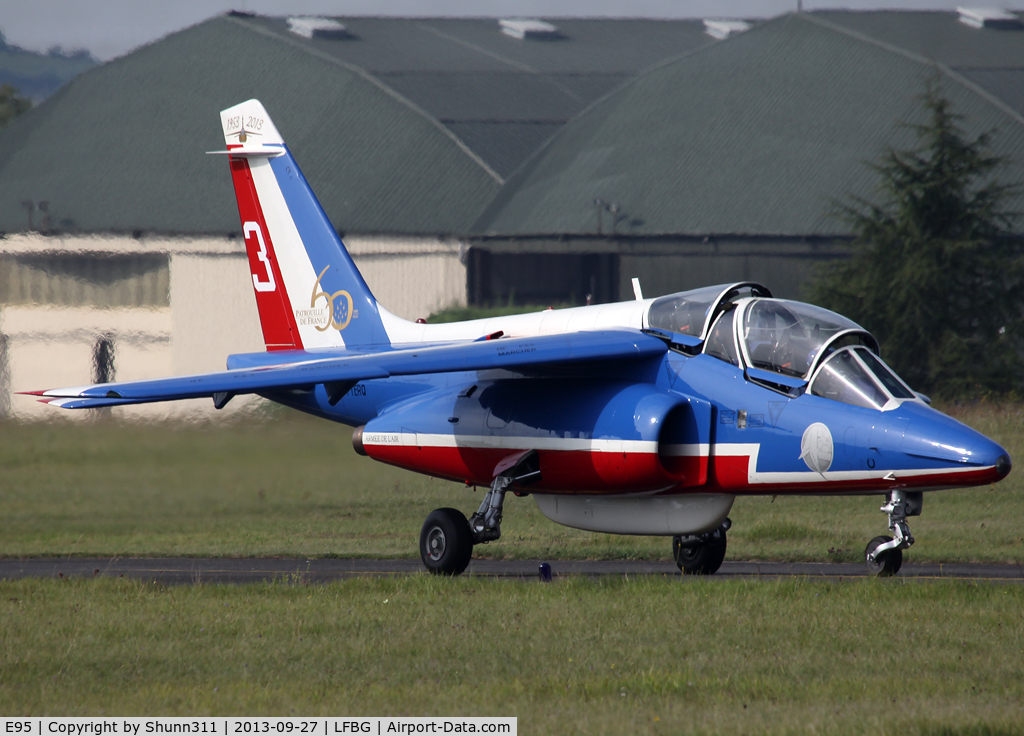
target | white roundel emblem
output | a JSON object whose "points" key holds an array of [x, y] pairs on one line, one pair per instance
{"points": [[816, 448]]}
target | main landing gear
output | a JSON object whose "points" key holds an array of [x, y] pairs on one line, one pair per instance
{"points": [[884, 555], [701, 554], [447, 537], [446, 543]]}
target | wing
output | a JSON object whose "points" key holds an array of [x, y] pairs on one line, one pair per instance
{"points": [[339, 372]]}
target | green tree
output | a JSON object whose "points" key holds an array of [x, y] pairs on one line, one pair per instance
{"points": [[936, 271], [12, 104]]}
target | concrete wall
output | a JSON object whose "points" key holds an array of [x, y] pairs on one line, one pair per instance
{"points": [[208, 314], [412, 277], [213, 313], [51, 346]]}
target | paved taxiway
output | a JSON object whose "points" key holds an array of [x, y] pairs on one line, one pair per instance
{"points": [[176, 571]]}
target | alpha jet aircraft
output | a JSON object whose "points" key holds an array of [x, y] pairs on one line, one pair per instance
{"points": [[641, 417]]}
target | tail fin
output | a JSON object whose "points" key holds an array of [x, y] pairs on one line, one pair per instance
{"points": [[308, 291]]}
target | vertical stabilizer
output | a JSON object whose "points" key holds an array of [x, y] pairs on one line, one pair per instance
{"points": [[308, 290]]}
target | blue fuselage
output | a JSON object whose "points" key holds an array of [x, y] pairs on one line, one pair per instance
{"points": [[671, 425]]}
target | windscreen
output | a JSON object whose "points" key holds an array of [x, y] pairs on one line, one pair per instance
{"points": [[883, 373], [843, 378], [785, 336]]}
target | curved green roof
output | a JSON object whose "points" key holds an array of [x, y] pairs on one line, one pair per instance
{"points": [[758, 135], [408, 126], [402, 126], [122, 147]]}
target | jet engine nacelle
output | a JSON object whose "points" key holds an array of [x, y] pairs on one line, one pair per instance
{"points": [[590, 436]]}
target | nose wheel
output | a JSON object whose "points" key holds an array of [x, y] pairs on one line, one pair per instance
{"points": [[883, 564], [884, 555]]}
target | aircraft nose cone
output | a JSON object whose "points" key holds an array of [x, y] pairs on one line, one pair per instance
{"points": [[1003, 465], [936, 437]]}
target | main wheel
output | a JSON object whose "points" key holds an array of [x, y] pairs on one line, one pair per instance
{"points": [[886, 564], [446, 542], [703, 558]]}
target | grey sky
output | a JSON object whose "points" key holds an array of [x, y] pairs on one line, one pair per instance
{"points": [[110, 28]]}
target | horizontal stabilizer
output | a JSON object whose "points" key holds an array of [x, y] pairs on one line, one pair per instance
{"points": [[263, 152], [304, 370], [85, 403]]}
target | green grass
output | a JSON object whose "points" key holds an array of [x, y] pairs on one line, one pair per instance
{"points": [[291, 485], [655, 655]]}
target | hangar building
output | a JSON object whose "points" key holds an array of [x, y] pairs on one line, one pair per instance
{"points": [[462, 160], [726, 163]]}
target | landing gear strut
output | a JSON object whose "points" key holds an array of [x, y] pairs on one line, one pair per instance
{"points": [[485, 524], [447, 538], [701, 554], [884, 555]]}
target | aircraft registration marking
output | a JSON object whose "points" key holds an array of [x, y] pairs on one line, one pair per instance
{"points": [[381, 438]]}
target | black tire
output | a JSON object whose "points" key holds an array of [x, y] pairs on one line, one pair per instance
{"points": [[446, 542], [703, 558], [886, 564]]}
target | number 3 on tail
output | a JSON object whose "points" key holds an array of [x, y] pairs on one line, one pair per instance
{"points": [[251, 228]]}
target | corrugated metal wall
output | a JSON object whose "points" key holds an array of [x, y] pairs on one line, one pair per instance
{"points": [[101, 280]]}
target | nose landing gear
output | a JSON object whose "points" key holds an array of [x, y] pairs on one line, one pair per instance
{"points": [[884, 555]]}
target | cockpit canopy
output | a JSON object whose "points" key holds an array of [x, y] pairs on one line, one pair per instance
{"points": [[803, 346], [785, 337], [691, 312]]}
